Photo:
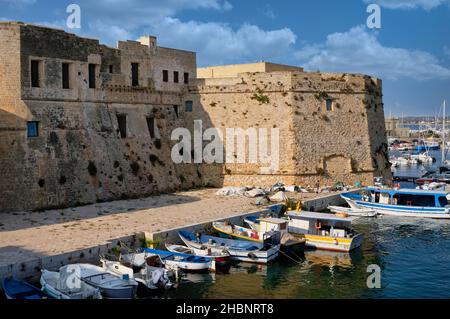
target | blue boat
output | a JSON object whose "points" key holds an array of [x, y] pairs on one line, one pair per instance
{"points": [[402, 202], [17, 289], [240, 250], [182, 261]]}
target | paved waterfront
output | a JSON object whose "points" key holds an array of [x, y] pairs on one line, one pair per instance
{"points": [[30, 235]]}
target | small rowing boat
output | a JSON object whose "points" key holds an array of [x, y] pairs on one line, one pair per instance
{"points": [[222, 258], [228, 230], [360, 212], [186, 262], [240, 250], [17, 289]]}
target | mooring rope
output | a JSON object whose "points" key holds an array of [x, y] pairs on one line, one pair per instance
{"points": [[296, 261]]}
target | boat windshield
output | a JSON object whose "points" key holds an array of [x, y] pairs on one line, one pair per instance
{"points": [[414, 200], [443, 201]]}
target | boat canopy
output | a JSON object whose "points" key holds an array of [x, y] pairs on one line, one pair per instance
{"points": [[407, 191], [320, 216]]}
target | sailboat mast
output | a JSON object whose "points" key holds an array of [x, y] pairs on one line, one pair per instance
{"points": [[443, 136]]}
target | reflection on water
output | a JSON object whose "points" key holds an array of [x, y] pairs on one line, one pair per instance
{"points": [[414, 255]]}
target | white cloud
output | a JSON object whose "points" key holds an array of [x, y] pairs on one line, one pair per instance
{"points": [[446, 51], [135, 13], [218, 43], [409, 4], [109, 33], [18, 3], [359, 51], [215, 42]]}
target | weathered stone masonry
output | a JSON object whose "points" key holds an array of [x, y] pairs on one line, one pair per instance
{"points": [[82, 154]]}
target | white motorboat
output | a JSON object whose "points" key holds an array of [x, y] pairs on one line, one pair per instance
{"points": [[65, 284], [111, 286], [361, 212], [151, 277]]}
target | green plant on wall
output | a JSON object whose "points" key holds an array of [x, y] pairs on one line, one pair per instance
{"points": [[116, 250], [260, 97], [322, 95]]}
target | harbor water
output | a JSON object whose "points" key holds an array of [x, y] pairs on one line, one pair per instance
{"points": [[413, 255]]}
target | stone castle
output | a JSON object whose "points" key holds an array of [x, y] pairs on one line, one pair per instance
{"points": [[81, 122]]}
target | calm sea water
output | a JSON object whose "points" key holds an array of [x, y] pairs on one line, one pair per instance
{"points": [[413, 254]]}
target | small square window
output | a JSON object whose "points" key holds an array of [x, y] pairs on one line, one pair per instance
{"points": [[189, 106], [33, 129], [329, 103]]}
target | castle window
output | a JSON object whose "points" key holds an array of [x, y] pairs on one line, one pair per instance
{"points": [[111, 68], [329, 103], [135, 74], [175, 76], [151, 126], [122, 121], [35, 76], [189, 106], [65, 76], [32, 129], [92, 68], [175, 108], [165, 76], [186, 78]]}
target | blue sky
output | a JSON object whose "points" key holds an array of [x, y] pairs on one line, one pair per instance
{"points": [[410, 53]]}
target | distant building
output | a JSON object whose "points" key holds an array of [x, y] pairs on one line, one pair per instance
{"points": [[394, 129]]}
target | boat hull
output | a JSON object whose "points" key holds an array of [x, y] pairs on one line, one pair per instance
{"points": [[330, 243], [358, 212], [400, 211]]}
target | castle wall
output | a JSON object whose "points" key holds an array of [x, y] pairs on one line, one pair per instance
{"points": [[82, 154], [79, 156], [316, 145]]}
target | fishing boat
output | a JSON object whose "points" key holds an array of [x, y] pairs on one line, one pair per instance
{"points": [[402, 202], [361, 212], [288, 242], [17, 289], [56, 285], [186, 262], [324, 231], [240, 250], [149, 276], [111, 286], [222, 258], [228, 230]]}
